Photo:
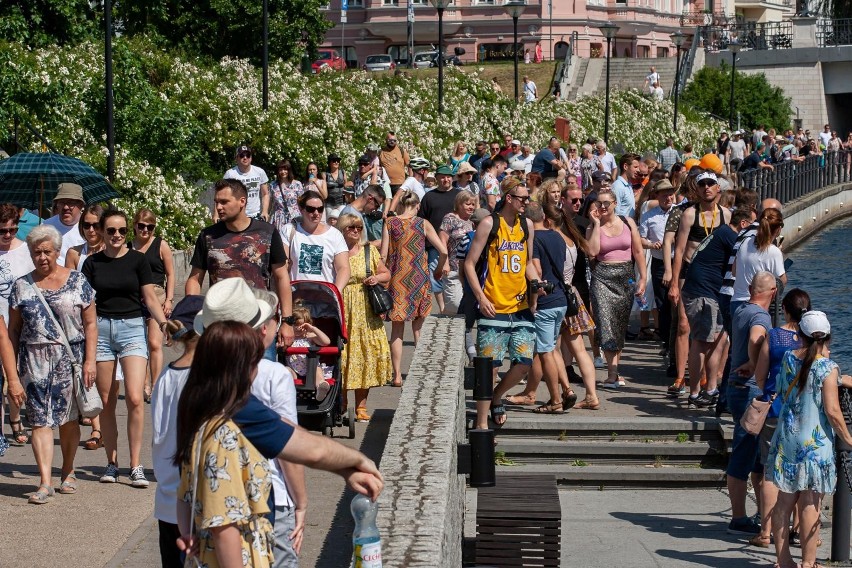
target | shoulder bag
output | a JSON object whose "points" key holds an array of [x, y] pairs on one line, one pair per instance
{"points": [[754, 417], [89, 401], [378, 297], [567, 288], [193, 561]]}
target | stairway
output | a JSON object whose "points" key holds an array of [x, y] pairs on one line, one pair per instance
{"points": [[624, 74], [586, 451], [582, 68]]}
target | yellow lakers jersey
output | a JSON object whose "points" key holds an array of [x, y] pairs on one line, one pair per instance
{"points": [[506, 282]]}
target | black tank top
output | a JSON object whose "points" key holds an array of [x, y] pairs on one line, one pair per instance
{"points": [[335, 189], [698, 232], [152, 255]]}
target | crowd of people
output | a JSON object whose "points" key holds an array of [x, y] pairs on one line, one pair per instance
{"points": [[536, 250]]}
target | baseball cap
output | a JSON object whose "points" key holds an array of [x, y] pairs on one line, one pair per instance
{"points": [[515, 143], [244, 148], [185, 312], [333, 158], [707, 175], [600, 176], [444, 169], [814, 321], [364, 160], [517, 166]]}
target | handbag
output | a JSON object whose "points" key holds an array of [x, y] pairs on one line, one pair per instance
{"points": [[754, 417], [89, 402], [378, 297], [568, 289], [193, 561]]}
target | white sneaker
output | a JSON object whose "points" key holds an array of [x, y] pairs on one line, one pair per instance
{"points": [[137, 477], [600, 363]]}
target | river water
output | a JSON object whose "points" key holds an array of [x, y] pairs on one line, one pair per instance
{"points": [[821, 268]]}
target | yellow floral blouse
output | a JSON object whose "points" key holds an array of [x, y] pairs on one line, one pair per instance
{"points": [[233, 488]]}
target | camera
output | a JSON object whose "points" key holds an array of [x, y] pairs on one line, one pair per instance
{"points": [[536, 285]]}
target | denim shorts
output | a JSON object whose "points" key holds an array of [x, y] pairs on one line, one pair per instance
{"points": [[437, 285], [548, 323], [745, 448], [507, 333], [122, 338]]}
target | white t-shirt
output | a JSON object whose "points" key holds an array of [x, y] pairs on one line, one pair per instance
{"points": [[164, 405], [527, 162], [312, 256], [652, 78], [750, 261], [530, 92], [252, 179], [71, 236], [274, 387], [824, 137], [411, 184], [14, 263], [737, 148]]}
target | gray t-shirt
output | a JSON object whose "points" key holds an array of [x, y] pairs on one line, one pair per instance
{"points": [[746, 317]]}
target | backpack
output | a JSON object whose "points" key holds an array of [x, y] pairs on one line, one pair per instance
{"points": [[482, 262]]}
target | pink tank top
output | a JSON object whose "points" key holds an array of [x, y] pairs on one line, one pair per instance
{"points": [[616, 249]]}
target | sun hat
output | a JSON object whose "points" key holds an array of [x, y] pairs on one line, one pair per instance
{"points": [[517, 166], [185, 312], [707, 175], [479, 215], [712, 162], [232, 299], [814, 321], [444, 169], [664, 185], [372, 147], [70, 191], [465, 168]]}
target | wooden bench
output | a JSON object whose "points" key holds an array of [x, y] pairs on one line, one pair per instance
{"points": [[519, 521]]}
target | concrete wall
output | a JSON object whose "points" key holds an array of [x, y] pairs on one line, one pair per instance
{"points": [[807, 215], [422, 507]]}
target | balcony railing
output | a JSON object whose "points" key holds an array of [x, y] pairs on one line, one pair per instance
{"points": [[750, 35], [831, 33]]}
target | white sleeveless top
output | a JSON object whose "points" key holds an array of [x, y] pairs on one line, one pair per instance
{"points": [[570, 263]]}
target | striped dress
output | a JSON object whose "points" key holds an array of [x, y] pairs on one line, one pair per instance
{"points": [[407, 262]]}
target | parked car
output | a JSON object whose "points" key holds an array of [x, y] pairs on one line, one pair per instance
{"points": [[379, 62], [426, 59], [328, 60]]}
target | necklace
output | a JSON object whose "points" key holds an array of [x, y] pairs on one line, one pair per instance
{"points": [[703, 223]]}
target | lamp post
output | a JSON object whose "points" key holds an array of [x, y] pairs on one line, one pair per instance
{"points": [[608, 30], [440, 5], [515, 8], [734, 47], [110, 103], [265, 55], [677, 40]]}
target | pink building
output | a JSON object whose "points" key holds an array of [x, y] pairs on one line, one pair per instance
{"points": [[484, 30]]}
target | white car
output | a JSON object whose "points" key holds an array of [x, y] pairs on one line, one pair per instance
{"points": [[380, 62], [424, 59]]}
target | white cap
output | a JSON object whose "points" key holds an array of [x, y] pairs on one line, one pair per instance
{"points": [[814, 321], [516, 142], [517, 165], [707, 175]]}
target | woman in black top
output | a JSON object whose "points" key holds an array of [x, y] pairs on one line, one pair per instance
{"points": [[121, 278], [335, 179], [159, 255]]}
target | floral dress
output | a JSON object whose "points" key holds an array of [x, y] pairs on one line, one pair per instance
{"points": [[801, 456], [365, 361], [299, 363], [43, 362], [409, 284], [285, 206], [457, 229], [233, 488]]}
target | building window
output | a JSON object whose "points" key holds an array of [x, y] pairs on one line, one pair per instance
{"points": [[356, 3], [390, 2], [417, 2], [484, 2]]}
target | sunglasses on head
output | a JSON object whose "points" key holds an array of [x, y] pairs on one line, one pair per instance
{"points": [[113, 230], [87, 225], [10, 231], [312, 209], [145, 226]]}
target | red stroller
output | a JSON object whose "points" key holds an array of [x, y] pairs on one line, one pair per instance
{"points": [[326, 306]]}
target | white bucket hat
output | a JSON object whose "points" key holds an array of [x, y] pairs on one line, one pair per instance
{"points": [[232, 299]]}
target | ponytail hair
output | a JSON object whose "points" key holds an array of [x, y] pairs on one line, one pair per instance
{"points": [[796, 302], [407, 198], [770, 221], [813, 345]]}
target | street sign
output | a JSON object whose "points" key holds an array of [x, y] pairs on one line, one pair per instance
{"points": [[410, 12], [344, 5], [343, 17]]}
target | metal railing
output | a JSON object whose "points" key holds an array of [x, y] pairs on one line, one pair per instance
{"points": [[690, 18], [790, 180], [750, 35], [831, 33]]}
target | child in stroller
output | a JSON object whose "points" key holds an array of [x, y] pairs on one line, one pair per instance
{"points": [[308, 335]]}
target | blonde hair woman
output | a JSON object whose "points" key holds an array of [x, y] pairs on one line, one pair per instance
{"points": [[459, 155]]}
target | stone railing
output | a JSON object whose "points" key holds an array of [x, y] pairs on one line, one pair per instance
{"points": [[422, 506]]}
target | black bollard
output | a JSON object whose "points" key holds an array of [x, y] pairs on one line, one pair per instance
{"points": [[483, 378], [482, 471], [841, 520]]}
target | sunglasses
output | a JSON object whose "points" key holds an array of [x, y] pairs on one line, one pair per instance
{"points": [[521, 198], [312, 209], [604, 204], [355, 228], [113, 230], [145, 227], [577, 200], [87, 226], [244, 155], [706, 183], [9, 231]]}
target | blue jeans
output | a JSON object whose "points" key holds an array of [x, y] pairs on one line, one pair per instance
{"points": [[745, 448], [437, 285]]}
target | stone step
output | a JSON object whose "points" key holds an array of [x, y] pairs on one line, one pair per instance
{"points": [[623, 476], [582, 425], [530, 450]]}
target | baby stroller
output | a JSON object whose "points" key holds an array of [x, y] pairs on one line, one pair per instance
{"points": [[326, 306]]}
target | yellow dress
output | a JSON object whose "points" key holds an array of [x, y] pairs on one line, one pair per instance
{"points": [[365, 362], [233, 488]]}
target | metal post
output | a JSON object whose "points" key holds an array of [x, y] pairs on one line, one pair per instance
{"points": [[265, 54], [441, 61], [550, 36], [606, 107], [110, 103], [515, 46], [733, 75], [841, 520], [676, 86]]}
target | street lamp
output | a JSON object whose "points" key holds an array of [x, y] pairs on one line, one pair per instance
{"points": [[734, 47], [515, 8], [440, 5], [265, 55], [608, 30], [677, 40]]}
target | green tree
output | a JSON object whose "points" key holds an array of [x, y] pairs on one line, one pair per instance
{"points": [[216, 28], [756, 100], [40, 23]]}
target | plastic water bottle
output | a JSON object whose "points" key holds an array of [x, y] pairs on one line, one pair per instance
{"points": [[641, 302], [366, 542]]}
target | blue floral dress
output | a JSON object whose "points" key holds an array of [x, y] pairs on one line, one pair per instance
{"points": [[801, 456], [285, 206], [43, 362]]}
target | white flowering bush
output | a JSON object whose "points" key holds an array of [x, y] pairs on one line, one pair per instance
{"points": [[179, 120]]}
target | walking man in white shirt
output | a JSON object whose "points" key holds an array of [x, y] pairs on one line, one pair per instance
{"points": [[256, 182], [530, 90]]}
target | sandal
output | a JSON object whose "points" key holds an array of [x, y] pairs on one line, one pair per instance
{"points": [[19, 436], [42, 495], [760, 541], [588, 404], [93, 443], [549, 408], [521, 400], [645, 334], [69, 485], [498, 410], [361, 415], [569, 399]]}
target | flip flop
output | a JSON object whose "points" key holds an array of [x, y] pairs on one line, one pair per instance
{"points": [[498, 410]]}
